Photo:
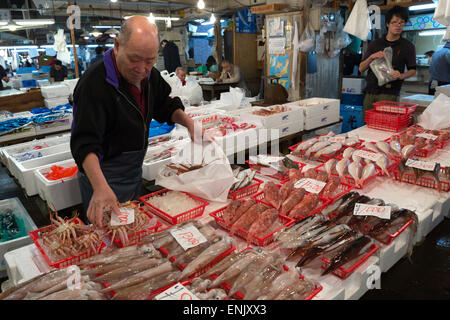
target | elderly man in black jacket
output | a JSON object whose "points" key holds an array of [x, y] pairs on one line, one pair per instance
{"points": [[114, 103]]}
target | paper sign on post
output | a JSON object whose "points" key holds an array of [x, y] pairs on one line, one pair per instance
{"points": [[310, 185], [423, 165], [126, 217], [176, 292], [188, 236], [382, 212], [367, 155], [427, 136]]}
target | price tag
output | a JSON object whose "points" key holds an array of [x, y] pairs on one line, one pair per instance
{"points": [[176, 292], [188, 236], [367, 155], [126, 217], [423, 165], [310, 185], [337, 139], [268, 159], [362, 209], [427, 136]]}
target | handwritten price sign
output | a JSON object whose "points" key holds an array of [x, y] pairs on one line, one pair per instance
{"points": [[188, 236], [310, 185], [362, 209], [126, 217], [176, 292], [337, 139], [423, 165], [367, 155], [427, 136]]}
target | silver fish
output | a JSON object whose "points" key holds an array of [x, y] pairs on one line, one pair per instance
{"points": [[306, 145], [370, 146], [341, 166], [350, 141], [316, 147], [329, 165], [408, 150], [395, 145], [355, 171], [348, 153], [334, 147], [383, 162], [383, 146], [368, 171]]}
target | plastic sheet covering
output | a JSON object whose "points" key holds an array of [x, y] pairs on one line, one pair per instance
{"points": [[382, 67]]}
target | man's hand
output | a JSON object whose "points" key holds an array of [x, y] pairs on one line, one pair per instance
{"points": [[395, 74], [6, 79], [196, 133], [101, 198], [219, 80], [377, 55]]}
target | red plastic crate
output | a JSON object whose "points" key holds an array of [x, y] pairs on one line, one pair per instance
{"points": [[422, 152], [395, 107], [268, 172], [265, 240], [387, 121], [323, 203], [247, 191], [344, 273], [35, 235], [137, 237], [184, 216], [423, 181]]}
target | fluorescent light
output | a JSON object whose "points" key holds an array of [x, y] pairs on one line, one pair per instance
{"points": [[19, 47], [432, 33], [213, 18], [200, 34], [158, 18], [51, 46], [151, 17], [95, 33], [423, 7], [113, 1], [3, 23], [96, 45], [201, 4], [106, 27], [35, 22]]}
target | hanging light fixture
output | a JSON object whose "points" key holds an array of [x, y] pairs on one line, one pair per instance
{"points": [[85, 35], [112, 32], [213, 18], [95, 33], [201, 4], [12, 25]]}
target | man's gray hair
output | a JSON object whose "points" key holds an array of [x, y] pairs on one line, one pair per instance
{"points": [[180, 69]]}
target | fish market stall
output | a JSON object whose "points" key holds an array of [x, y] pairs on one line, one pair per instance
{"points": [[323, 222]]}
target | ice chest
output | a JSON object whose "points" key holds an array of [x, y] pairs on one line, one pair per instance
{"points": [[352, 117], [276, 120], [61, 193], [353, 85], [19, 211]]}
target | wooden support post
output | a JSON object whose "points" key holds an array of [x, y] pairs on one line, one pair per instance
{"points": [[72, 35]]}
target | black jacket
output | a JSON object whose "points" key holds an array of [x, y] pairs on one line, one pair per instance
{"points": [[106, 119], [171, 57]]}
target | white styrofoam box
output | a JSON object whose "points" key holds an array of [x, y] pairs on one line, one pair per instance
{"points": [[55, 91], [55, 126], [18, 210], [42, 83], [62, 193], [391, 254], [54, 102], [26, 76], [438, 216], [25, 263], [423, 100], [288, 129], [443, 89], [315, 107], [364, 271], [276, 120], [26, 170], [322, 120], [151, 170], [28, 131], [329, 292], [6, 152], [353, 85], [336, 128], [424, 225], [14, 166]]}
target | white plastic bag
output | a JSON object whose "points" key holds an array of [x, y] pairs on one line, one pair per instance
{"points": [[211, 182], [358, 23], [60, 47], [437, 115], [382, 67], [442, 12], [306, 43], [191, 91]]}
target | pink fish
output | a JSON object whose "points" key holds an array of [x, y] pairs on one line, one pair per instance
{"points": [[322, 176], [272, 194], [247, 218], [241, 210], [294, 198], [262, 224], [230, 211], [331, 187], [303, 209], [286, 190], [311, 173]]}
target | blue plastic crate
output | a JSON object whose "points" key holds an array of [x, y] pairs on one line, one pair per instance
{"points": [[352, 99], [25, 70], [352, 117], [29, 83], [45, 68]]}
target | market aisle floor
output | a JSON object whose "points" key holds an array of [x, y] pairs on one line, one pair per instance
{"points": [[427, 277]]}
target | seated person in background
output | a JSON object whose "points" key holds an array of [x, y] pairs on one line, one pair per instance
{"points": [[232, 74], [3, 76], [181, 74], [210, 62], [58, 72]]}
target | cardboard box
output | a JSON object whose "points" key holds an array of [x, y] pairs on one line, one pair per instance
{"points": [[269, 8]]}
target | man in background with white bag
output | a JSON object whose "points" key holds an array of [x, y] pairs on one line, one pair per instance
{"points": [[403, 55]]}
